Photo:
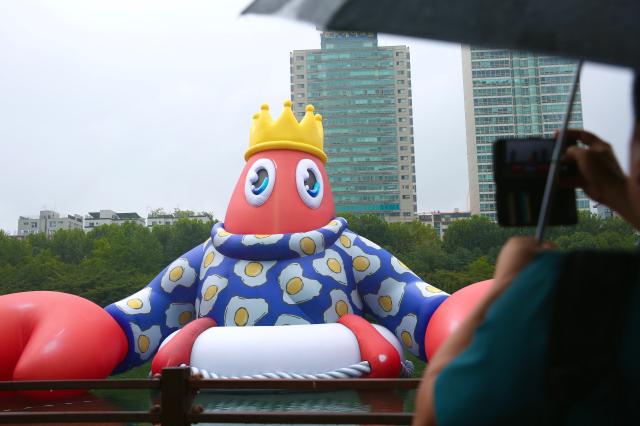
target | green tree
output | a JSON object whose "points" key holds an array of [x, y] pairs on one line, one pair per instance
{"points": [[71, 246], [372, 227], [417, 245], [181, 237], [477, 234], [12, 251], [112, 262], [183, 213], [127, 247]]}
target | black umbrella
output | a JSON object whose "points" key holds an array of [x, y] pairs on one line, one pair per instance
{"points": [[599, 30]]}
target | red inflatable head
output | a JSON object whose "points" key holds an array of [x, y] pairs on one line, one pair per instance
{"points": [[284, 187]]}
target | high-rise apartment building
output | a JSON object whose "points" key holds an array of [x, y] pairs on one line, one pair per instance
{"points": [[363, 92], [506, 94]]}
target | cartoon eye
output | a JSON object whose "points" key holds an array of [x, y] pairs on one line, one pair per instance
{"points": [[261, 184], [309, 183], [260, 181]]}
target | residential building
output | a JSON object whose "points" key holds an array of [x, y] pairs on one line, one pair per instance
{"points": [[440, 221], [154, 219], [604, 212], [511, 94], [110, 217], [363, 92], [47, 223]]}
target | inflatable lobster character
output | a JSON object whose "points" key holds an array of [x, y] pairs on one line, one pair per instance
{"points": [[281, 258]]}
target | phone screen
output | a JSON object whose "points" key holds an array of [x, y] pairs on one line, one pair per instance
{"points": [[520, 171], [528, 157]]}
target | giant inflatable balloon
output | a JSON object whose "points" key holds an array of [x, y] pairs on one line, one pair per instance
{"points": [[281, 258], [451, 313]]}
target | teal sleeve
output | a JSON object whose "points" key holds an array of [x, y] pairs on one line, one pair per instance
{"points": [[501, 371]]}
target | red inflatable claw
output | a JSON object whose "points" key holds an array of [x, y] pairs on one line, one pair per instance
{"points": [[47, 335], [177, 351], [374, 348], [451, 313]]}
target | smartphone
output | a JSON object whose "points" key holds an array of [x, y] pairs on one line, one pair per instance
{"points": [[520, 169]]}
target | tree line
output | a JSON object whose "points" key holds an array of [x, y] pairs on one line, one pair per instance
{"points": [[111, 262]]}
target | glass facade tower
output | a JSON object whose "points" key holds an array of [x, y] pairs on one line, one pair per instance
{"points": [[363, 92], [509, 93]]}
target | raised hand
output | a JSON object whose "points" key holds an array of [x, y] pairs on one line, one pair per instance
{"points": [[601, 176]]}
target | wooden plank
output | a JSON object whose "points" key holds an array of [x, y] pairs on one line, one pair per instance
{"points": [[80, 384], [301, 417], [176, 396], [308, 385], [79, 417]]}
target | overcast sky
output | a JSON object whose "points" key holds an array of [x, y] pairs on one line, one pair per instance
{"points": [[136, 105]]}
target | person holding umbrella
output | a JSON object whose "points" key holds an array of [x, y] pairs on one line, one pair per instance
{"points": [[553, 340]]}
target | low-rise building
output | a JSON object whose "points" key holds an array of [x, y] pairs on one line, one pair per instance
{"points": [[110, 217], [441, 220], [603, 212], [155, 219], [47, 223]]}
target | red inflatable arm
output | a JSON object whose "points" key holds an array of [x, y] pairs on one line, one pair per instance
{"points": [[374, 348], [177, 351], [48, 335], [451, 313]]}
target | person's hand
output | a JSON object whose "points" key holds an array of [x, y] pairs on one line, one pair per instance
{"points": [[513, 258], [600, 174]]}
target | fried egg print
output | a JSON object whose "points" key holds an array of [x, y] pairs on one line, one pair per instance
{"points": [[252, 240], [428, 290], [211, 288], [179, 314], [179, 273], [333, 226], [146, 341], [363, 264], [244, 312], [369, 243], [339, 306], [387, 301], [253, 273], [399, 266], [286, 319], [406, 333], [211, 259], [346, 240], [307, 243], [356, 299], [330, 265], [296, 288], [137, 303], [221, 237]]}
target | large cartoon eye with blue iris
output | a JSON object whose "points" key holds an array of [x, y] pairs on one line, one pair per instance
{"points": [[260, 181], [309, 183]]}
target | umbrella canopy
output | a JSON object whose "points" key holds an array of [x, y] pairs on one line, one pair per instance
{"points": [[598, 30]]}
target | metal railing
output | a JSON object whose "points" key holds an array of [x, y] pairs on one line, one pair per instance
{"points": [[177, 389]]}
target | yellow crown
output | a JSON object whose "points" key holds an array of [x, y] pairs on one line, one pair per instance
{"points": [[286, 133]]}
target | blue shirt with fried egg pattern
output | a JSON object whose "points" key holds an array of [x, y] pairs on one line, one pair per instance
{"points": [[299, 278]]}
